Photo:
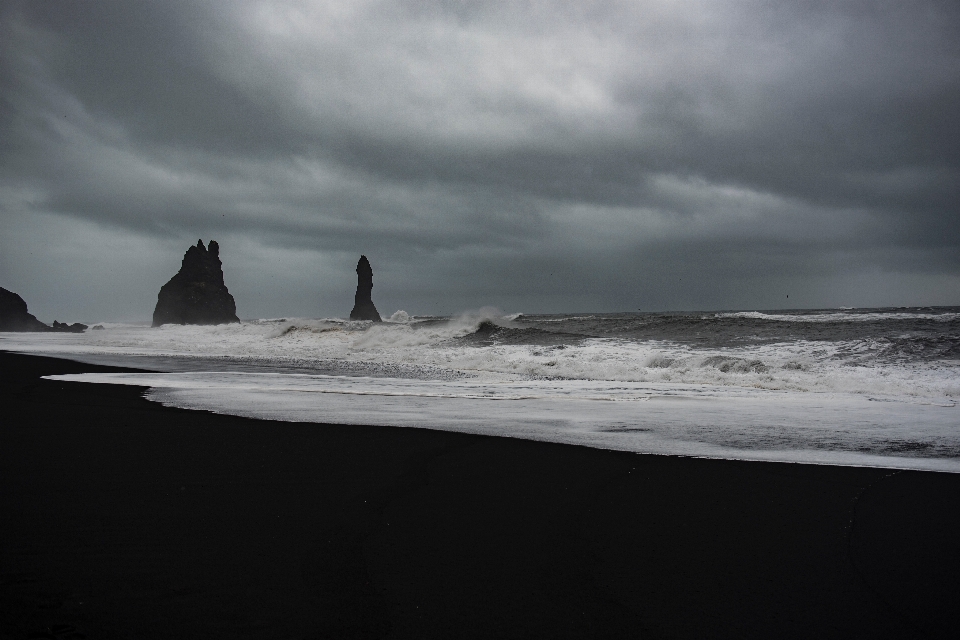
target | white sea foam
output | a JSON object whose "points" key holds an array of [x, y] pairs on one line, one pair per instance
{"points": [[399, 316], [799, 366], [678, 419], [802, 400]]}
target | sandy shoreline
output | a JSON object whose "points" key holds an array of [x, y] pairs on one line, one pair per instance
{"points": [[126, 519]]}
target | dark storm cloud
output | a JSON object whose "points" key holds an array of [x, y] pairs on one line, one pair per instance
{"points": [[477, 146], [141, 67]]}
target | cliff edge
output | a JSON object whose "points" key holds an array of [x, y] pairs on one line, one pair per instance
{"points": [[14, 315]]}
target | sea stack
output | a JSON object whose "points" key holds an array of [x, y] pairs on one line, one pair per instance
{"points": [[197, 294], [14, 315], [363, 308]]}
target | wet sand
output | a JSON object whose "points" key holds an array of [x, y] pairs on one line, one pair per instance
{"points": [[125, 519]]}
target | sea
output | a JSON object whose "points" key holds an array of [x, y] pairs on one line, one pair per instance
{"points": [[854, 387]]}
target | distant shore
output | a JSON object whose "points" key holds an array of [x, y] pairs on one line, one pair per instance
{"points": [[123, 518]]}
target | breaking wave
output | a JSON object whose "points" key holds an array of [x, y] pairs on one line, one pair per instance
{"points": [[876, 387], [919, 361]]}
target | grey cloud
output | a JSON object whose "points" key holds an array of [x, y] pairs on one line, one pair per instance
{"points": [[459, 140]]}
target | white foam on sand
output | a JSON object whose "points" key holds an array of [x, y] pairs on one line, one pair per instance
{"points": [[802, 401], [658, 418]]}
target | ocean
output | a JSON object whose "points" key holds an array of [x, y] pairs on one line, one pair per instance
{"points": [[858, 387]]}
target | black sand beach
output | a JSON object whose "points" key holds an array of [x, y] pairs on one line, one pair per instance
{"points": [[125, 519]]}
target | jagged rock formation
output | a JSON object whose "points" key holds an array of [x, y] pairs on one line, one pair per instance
{"points": [[14, 315], [197, 294], [76, 327], [363, 308]]}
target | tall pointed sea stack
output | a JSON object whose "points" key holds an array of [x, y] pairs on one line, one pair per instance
{"points": [[363, 308], [197, 294]]}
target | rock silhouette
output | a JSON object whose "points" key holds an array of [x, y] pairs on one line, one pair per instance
{"points": [[76, 327], [363, 307], [197, 294], [14, 315]]}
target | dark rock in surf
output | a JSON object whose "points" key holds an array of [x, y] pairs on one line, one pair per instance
{"points": [[197, 294], [76, 327], [14, 315], [363, 308], [486, 329]]}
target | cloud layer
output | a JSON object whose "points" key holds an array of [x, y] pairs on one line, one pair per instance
{"points": [[536, 156]]}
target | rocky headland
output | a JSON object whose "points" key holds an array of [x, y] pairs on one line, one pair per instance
{"points": [[363, 307], [197, 294], [15, 317]]}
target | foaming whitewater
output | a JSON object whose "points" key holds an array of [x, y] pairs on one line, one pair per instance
{"points": [[874, 387]]}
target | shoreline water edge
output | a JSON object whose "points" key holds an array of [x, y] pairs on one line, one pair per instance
{"points": [[872, 387]]}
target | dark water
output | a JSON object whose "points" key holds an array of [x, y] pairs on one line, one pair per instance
{"points": [[890, 334]]}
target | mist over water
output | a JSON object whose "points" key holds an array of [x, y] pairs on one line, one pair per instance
{"points": [[872, 387]]}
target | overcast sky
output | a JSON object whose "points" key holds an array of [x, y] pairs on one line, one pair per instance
{"points": [[537, 157]]}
